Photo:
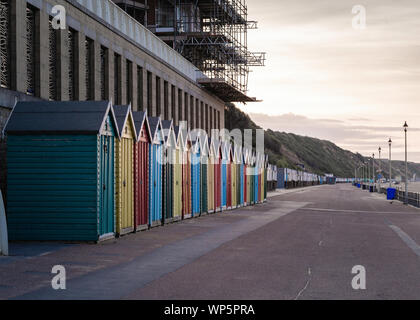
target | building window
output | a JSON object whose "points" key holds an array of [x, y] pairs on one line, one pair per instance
{"points": [[52, 62], [89, 69], [192, 112], [117, 78], [149, 93], [139, 88], [129, 81], [165, 101], [211, 118], [104, 73], [4, 44], [72, 63], [158, 102], [197, 113], [30, 51], [206, 124], [186, 109], [173, 115], [179, 105], [137, 10], [215, 119], [202, 116]]}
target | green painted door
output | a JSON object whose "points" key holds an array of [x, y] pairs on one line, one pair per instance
{"points": [[106, 214]]}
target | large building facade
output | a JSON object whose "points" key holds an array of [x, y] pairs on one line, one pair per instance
{"points": [[115, 50]]}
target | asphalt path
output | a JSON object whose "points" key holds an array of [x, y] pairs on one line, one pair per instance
{"points": [[302, 244]]}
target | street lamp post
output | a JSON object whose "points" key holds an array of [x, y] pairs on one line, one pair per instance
{"points": [[363, 173], [373, 168], [406, 171], [379, 169], [366, 172], [390, 163]]}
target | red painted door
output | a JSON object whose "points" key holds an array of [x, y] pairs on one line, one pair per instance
{"points": [[217, 184]]}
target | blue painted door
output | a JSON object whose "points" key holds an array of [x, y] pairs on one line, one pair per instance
{"points": [[195, 183], [280, 178], [241, 172], [106, 214], [155, 183], [224, 181]]}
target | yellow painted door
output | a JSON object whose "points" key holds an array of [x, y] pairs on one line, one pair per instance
{"points": [[233, 185], [125, 186]]}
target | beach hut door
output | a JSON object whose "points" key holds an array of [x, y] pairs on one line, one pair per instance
{"points": [[107, 183]]}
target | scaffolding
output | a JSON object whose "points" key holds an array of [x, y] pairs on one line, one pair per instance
{"points": [[212, 35]]}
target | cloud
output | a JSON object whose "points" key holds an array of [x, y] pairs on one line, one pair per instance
{"points": [[319, 66], [346, 134]]}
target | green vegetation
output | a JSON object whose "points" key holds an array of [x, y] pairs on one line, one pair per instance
{"points": [[318, 156]]}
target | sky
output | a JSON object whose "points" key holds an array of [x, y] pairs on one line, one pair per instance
{"points": [[326, 77]]}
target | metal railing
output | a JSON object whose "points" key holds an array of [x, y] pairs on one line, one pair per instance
{"points": [[413, 197]]}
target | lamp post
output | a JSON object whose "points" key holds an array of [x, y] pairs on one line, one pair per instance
{"points": [[380, 169], [373, 168], [363, 174], [366, 173], [390, 163], [406, 171], [355, 175]]}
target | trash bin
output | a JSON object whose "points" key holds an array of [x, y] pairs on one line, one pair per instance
{"points": [[364, 187], [359, 185], [371, 188], [390, 193]]}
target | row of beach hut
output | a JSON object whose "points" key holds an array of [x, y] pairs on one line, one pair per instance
{"points": [[89, 171]]}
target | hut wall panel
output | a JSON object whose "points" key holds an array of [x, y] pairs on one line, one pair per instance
{"points": [[58, 177]]}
